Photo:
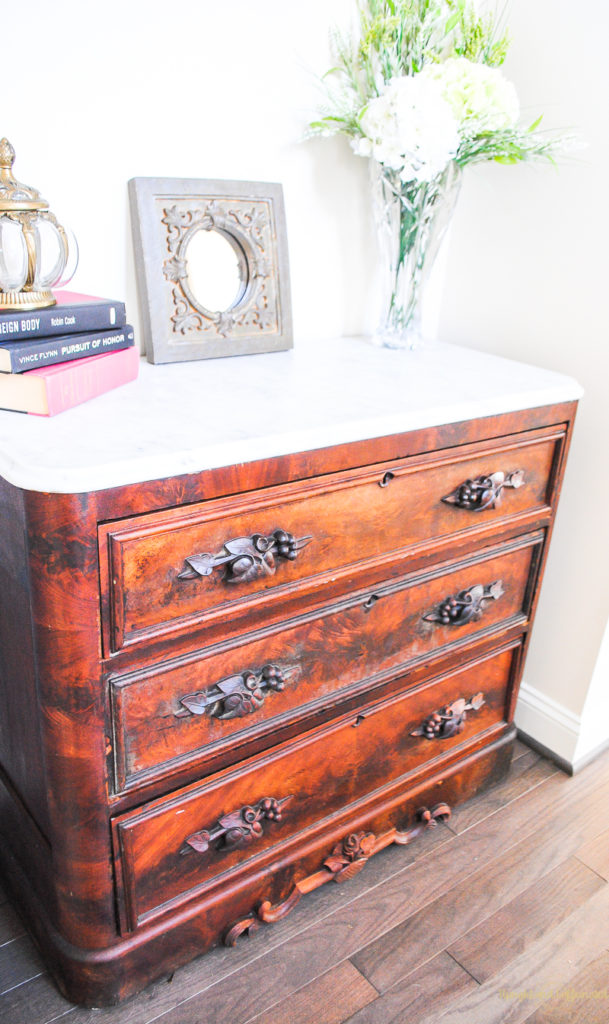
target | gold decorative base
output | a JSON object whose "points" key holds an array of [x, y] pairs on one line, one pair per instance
{"points": [[24, 301]]}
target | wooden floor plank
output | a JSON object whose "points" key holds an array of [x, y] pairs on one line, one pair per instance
{"points": [[331, 999], [526, 773], [477, 894], [585, 999], [19, 962], [511, 996], [11, 926], [596, 854], [430, 989], [246, 994], [486, 949], [35, 1002], [520, 748]]}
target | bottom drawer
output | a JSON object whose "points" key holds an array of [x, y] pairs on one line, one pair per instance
{"points": [[176, 847]]}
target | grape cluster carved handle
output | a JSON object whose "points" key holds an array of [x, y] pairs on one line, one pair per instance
{"points": [[466, 606], [236, 696], [485, 491], [345, 861], [246, 558], [239, 828], [449, 721]]}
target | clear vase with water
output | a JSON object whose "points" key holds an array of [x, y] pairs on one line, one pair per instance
{"points": [[411, 220]]}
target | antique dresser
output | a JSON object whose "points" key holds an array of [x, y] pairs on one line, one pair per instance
{"points": [[260, 618]]}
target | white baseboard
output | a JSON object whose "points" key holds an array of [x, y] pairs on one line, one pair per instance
{"points": [[550, 724]]}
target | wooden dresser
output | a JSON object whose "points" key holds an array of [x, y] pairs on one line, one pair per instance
{"points": [[260, 618]]}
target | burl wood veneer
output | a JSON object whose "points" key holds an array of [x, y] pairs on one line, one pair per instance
{"points": [[223, 689]]}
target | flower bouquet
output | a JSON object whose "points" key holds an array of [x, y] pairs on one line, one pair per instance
{"points": [[418, 89]]}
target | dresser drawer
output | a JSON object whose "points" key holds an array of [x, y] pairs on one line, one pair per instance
{"points": [[247, 556], [216, 702], [178, 846]]}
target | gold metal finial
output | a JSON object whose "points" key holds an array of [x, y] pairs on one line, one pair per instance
{"points": [[7, 153], [14, 195]]}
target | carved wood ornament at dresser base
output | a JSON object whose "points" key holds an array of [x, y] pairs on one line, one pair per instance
{"points": [[303, 660]]}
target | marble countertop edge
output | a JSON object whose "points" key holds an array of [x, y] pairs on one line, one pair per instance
{"points": [[141, 468]]}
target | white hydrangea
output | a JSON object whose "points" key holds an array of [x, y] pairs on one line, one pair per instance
{"points": [[480, 97], [410, 128]]}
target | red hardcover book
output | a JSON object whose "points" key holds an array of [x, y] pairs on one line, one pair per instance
{"points": [[52, 389]]}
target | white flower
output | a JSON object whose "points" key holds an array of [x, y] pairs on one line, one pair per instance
{"points": [[410, 128], [362, 146], [480, 97]]}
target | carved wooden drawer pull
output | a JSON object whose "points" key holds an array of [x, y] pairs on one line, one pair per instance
{"points": [[239, 828], [246, 558], [441, 725], [345, 861], [466, 606], [485, 491], [236, 696]]}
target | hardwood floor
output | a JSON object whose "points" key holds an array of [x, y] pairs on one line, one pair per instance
{"points": [[500, 916]]}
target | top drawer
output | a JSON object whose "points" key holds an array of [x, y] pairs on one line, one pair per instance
{"points": [[247, 555]]}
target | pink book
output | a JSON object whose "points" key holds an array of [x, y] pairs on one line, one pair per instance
{"points": [[52, 389]]}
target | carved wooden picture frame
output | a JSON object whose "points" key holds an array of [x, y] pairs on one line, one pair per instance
{"points": [[166, 215]]}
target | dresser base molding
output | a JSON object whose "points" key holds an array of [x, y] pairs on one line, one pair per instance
{"points": [[104, 977]]}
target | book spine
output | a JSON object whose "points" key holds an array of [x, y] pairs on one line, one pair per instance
{"points": [[87, 378], [29, 355], [76, 319]]}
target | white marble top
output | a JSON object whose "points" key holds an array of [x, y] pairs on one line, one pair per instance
{"points": [[186, 417]]}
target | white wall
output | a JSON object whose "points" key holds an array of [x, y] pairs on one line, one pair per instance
{"points": [[593, 733], [125, 88], [527, 277], [96, 94]]}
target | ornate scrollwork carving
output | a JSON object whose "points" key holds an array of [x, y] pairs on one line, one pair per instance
{"points": [[485, 491], [236, 696], [350, 856], [247, 226], [247, 926], [466, 606], [239, 828], [246, 558], [346, 860], [449, 721]]}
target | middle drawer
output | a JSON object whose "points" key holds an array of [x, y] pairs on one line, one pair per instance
{"points": [[214, 703]]}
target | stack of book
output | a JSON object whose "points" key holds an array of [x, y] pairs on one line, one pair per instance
{"points": [[52, 359]]}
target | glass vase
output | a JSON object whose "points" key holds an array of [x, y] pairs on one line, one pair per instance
{"points": [[411, 220]]}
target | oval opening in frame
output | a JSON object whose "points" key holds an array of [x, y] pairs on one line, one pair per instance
{"points": [[216, 270]]}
